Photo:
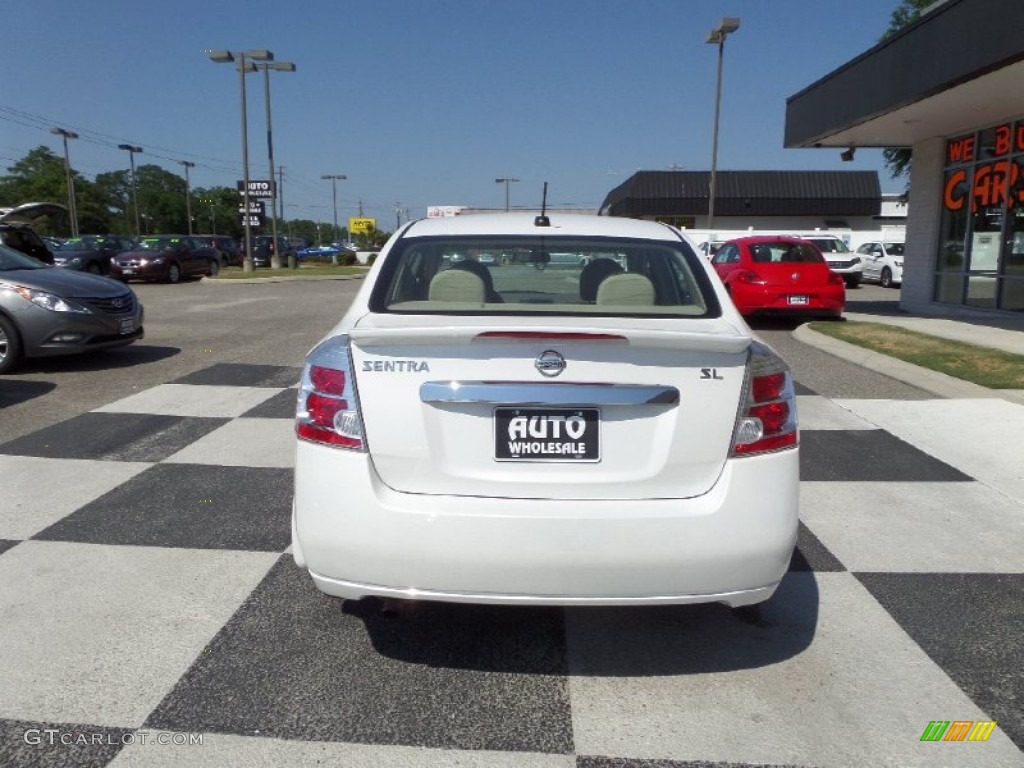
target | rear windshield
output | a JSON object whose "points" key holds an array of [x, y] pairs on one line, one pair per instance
{"points": [[785, 252], [548, 275]]}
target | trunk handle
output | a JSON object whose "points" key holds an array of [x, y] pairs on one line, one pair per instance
{"points": [[543, 394]]}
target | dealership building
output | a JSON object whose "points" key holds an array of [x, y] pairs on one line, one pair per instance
{"points": [[951, 87]]}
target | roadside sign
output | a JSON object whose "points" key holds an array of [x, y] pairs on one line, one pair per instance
{"points": [[256, 208], [255, 220], [257, 187], [361, 225]]}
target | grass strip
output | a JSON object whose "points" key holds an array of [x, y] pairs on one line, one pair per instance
{"points": [[988, 367], [236, 273]]}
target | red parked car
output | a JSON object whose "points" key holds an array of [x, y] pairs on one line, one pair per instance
{"points": [[773, 274], [165, 257]]}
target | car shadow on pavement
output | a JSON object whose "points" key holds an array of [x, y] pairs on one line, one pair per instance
{"points": [[599, 641], [100, 360], [13, 391]]}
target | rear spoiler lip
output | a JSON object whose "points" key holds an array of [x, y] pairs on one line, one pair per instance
{"points": [[640, 338]]}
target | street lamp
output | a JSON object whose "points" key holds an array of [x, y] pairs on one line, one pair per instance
{"points": [[222, 57], [717, 37], [72, 208], [131, 150], [335, 178], [280, 66], [506, 182], [188, 194]]}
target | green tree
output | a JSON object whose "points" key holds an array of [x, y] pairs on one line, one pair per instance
{"points": [[216, 211], [898, 159], [40, 177], [115, 190]]}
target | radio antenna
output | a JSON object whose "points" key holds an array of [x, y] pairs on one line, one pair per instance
{"points": [[543, 220]]}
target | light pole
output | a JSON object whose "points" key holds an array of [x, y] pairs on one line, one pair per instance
{"points": [[506, 182], [131, 150], [717, 37], [222, 57], [188, 194], [72, 208], [280, 66], [335, 178]]}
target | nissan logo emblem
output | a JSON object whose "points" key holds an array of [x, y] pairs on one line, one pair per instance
{"points": [[549, 363]]}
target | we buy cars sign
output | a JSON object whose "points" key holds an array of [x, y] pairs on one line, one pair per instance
{"points": [[257, 187]]}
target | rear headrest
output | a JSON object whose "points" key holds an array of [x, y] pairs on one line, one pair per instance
{"points": [[593, 274], [457, 285], [627, 289]]}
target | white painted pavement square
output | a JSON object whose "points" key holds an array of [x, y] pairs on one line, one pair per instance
{"points": [[218, 750], [193, 400], [982, 438], [860, 693], [38, 492], [100, 634], [916, 527], [243, 443], [816, 412]]}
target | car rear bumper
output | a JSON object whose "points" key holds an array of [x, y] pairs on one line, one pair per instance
{"points": [[359, 538], [752, 300]]}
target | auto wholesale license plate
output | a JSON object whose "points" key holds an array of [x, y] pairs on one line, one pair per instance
{"points": [[126, 325], [547, 434], [798, 299]]}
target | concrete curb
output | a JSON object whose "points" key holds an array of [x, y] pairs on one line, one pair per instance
{"points": [[930, 381]]}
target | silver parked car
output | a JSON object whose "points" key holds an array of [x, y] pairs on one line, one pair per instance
{"points": [[46, 311]]}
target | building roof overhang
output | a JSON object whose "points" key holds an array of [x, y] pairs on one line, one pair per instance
{"points": [[960, 66]]}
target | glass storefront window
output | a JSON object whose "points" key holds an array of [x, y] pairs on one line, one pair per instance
{"points": [[954, 220], [981, 291], [949, 288], [980, 258], [1012, 295]]}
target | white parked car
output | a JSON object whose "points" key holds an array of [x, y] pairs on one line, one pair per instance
{"points": [[840, 258], [600, 434], [883, 262]]}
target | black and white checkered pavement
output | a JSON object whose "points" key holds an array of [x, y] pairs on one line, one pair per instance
{"points": [[146, 596]]}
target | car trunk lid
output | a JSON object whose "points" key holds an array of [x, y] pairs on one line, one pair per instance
{"points": [[497, 406]]}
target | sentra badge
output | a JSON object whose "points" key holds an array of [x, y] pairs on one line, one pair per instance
{"points": [[386, 366]]}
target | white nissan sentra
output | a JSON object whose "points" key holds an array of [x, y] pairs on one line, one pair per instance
{"points": [[603, 430]]}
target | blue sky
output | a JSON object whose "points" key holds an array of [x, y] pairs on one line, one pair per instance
{"points": [[426, 103]]}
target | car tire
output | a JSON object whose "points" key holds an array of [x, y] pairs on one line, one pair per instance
{"points": [[214, 269], [852, 281], [10, 346], [94, 268], [886, 278], [173, 273]]}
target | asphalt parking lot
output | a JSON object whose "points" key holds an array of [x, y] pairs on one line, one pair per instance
{"points": [[188, 326], [146, 588]]}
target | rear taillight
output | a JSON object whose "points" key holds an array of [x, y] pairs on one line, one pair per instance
{"points": [[835, 279], [767, 416], [328, 408], [748, 278]]}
